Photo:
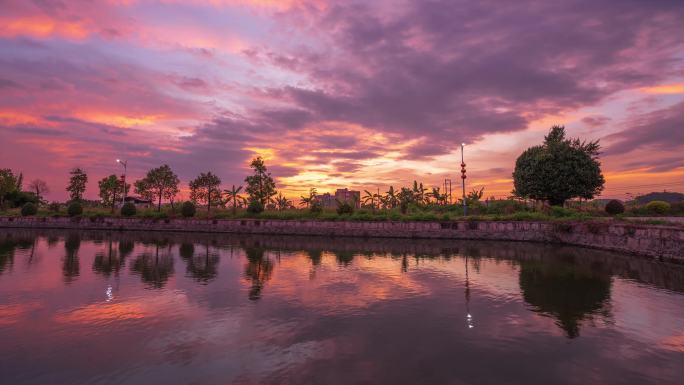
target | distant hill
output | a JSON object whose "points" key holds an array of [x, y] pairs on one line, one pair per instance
{"points": [[660, 196]]}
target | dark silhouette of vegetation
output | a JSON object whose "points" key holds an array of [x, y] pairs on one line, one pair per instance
{"points": [[75, 209], [260, 185], [159, 183], [9, 183], [666, 196], [344, 207], [188, 209], [77, 184], [258, 271], [615, 207], [128, 209], [234, 198], [255, 207], [29, 209], [155, 270], [39, 187], [110, 189], [71, 264], [559, 169], [206, 189]]}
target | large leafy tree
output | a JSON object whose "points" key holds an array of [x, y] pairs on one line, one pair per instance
{"points": [[559, 169], [206, 189], [77, 184], [8, 184], [260, 185], [110, 188], [159, 183]]}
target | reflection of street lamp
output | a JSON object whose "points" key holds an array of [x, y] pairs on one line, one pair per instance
{"points": [[124, 163], [463, 178], [469, 317]]}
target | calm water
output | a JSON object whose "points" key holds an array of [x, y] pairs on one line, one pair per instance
{"points": [[122, 308]]}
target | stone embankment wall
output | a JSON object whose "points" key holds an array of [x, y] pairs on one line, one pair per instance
{"points": [[663, 242]]}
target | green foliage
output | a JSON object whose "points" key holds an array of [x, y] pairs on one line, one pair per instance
{"points": [[233, 197], [8, 184], [54, 207], [658, 207], [260, 185], [560, 212], [188, 209], [75, 209], [255, 206], [615, 207], [559, 169], [344, 207], [159, 183], [316, 207], [29, 209], [77, 184], [128, 209], [205, 189], [110, 188]]}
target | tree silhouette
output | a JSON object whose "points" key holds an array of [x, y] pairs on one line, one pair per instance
{"points": [[258, 271], [71, 265], [155, 270]]}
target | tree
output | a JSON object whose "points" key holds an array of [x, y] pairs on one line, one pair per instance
{"points": [[405, 197], [260, 185], [233, 195], [110, 187], [77, 184], [205, 188], [369, 197], [39, 187], [438, 197], [559, 169], [307, 201], [282, 203], [8, 184], [390, 199], [160, 183]]}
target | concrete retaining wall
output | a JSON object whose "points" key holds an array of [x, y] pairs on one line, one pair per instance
{"points": [[663, 242]]}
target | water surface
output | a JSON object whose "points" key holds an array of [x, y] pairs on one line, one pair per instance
{"points": [[130, 308]]}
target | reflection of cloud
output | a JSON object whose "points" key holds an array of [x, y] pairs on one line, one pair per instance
{"points": [[675, 343], [16, 313]]}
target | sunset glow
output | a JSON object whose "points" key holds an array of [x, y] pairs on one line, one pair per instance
{"points": [[351, 94]]}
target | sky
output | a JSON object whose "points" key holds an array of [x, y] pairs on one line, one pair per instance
{"points": [[359, 94]]}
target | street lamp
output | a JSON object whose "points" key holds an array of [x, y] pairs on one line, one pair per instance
{"points": [[463, 178], [124, 163]]}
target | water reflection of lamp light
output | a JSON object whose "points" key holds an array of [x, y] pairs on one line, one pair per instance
{"points": [[469, 317], [109, 294]]}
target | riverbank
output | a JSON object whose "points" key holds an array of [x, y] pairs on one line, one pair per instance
{"points": [[655, 241]]}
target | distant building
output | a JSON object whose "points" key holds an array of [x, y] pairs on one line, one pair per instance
{"points": [[349, 196], [139, 202], [329, 201]]}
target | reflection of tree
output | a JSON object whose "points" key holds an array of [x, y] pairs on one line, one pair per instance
{"points": [[71, 264], [202, 267], [8, 246], [315, 256], [108, 262], [258, 271], [155, 269], [344, 258], [125, 248], [568, 292]]}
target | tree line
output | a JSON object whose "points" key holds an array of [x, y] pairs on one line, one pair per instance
{"points": [[555, 171]]}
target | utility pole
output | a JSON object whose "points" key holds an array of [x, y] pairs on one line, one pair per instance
{"points": [[463, 178], [124, 163]]}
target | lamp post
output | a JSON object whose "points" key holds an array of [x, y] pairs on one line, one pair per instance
{"points": [[124, 163], [463, 178]]}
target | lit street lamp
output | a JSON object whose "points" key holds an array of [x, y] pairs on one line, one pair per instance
{"points": [[124, 163], [463, 178]]}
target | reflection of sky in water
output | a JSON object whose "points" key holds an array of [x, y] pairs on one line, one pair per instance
{"points": [[96, 308]]}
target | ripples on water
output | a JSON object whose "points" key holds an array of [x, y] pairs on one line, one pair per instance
{"points": [[126, 308]]}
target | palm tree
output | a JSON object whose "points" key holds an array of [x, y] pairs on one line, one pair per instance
{"points": [[369, 197], [419, 192], [437, 195], [307, 201], [233, 195], [391, 199], [282, 203]]}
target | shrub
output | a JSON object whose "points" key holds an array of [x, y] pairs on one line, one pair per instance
{"points": [[255, 207], [188, 209], [54, 207], [316, 207], [344, 208], [615, 207], [128, 209], [28, 209], [560, 212], [658, 207], [75, 209]]}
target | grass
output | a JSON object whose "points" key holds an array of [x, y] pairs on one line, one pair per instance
{"points": [[415, 213]]}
